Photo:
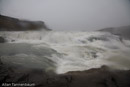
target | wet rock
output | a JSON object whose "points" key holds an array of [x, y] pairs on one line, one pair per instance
{"points": [[12, 40], [96, 77], [94, 54], [100, 77], [2, 40], [92, 39]]}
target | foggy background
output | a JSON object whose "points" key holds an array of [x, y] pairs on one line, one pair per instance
{"points": [[70, 14]]}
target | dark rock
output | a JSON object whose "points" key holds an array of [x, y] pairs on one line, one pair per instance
{"points": [[14, 24], [98, 77], [94, 54], [101, 77], [92, 39], [2, 40], [12, 40]]}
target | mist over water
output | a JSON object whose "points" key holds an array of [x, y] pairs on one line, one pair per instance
{"points": [[61, 52], [70, 14]]}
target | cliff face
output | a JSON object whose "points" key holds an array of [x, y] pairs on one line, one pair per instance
{"points": [[14, 24]]}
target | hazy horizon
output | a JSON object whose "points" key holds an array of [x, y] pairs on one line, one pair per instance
{"points": [[70, 14]]}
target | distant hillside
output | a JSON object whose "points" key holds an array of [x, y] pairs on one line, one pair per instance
{"points": [[124, 31], [14, 24]]}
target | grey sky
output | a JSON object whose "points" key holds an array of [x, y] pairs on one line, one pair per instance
{"points": [[70, 14]]}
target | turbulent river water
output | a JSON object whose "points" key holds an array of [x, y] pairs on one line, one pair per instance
{"points": [[62, 51]]}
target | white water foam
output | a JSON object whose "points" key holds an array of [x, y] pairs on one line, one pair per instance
{"points": [[75, 50]]}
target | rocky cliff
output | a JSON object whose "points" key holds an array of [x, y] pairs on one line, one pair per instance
{"points": [[14, 24]]}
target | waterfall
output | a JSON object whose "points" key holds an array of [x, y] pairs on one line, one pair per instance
{"points": [[64, 51]]}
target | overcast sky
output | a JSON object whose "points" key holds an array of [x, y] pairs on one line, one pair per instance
{"points": [[70, 14]]}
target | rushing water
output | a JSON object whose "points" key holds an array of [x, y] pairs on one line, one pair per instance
{"points": [[65, 51]]}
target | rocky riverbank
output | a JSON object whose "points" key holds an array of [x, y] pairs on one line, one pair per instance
{"points": [[98, 77]]}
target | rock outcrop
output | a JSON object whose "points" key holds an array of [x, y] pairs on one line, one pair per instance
{"points": [[123, 32], [14, 24], [99, 77], [2, 40]]}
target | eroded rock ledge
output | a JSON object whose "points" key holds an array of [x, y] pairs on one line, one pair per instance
{"points": [[98, 77], [14, 24]]}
